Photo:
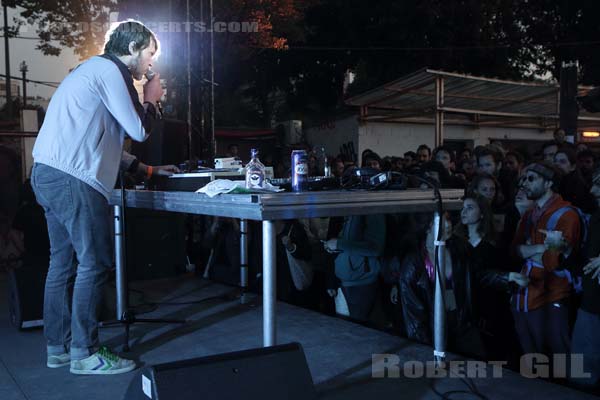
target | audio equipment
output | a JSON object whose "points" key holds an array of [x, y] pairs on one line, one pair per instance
{"points": [[278, 372]]}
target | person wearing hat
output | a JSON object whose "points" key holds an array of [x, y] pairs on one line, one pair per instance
{"points": [[547, 234]]}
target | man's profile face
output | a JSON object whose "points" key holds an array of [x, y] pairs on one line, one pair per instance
{"points": [[534, 186], [142, 61]]}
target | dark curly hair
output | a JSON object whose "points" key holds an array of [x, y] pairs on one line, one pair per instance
{"points": [[486, 223]]}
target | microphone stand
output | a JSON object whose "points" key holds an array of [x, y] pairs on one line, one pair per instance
{"points": [[125, 315]]}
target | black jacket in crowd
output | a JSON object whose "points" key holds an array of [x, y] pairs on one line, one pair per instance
{"points": [[468, 268]]}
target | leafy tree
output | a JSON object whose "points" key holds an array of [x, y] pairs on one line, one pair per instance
{"points": [[79, 24], [560, 31]]}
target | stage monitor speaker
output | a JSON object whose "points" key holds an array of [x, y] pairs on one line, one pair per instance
{"points": [[26, 296], [278, 372]]}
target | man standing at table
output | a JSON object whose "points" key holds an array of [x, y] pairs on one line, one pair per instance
{"points": [[77, 156]]}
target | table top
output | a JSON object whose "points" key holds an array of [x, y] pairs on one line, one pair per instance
{"points": [[276, 206]]}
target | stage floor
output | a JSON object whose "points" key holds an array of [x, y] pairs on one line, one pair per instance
{"points": [[338, 352]]}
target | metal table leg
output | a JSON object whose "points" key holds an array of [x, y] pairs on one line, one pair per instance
{"points": [[439, 310], [121, 278], [243, 259], [269, 280]]}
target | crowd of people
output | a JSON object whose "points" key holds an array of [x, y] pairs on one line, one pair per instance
{"points": [[522, 256]]}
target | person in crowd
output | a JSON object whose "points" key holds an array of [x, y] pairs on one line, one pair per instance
{"points": [[514, 161], [372, 160], [586, 341], [466, 154], [302, 283], [521, 205], [363, 156], [559, 136], [416, 285], [573, 187], [466, 170], [423, 154], [397, 164], [581, 147], [491, 291], [498, 147], [490, 161], [541, 310], [484, 185], [549, 149], [445, 155], [586, 162], [233, 150], [435, 172], [77, 155], [410, 159], [337, 168], [360, 245]]}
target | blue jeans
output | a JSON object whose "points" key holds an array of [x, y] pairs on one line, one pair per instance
{"points": [[586, 341], [80, 257]]}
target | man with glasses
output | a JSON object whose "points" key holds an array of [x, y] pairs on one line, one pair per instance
{"points": [[547, 234]]}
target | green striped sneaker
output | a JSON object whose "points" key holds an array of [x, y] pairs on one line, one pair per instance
{"points": [[103, 362]]}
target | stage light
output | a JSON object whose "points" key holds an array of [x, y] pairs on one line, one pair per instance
{"points": [[590, 134]]}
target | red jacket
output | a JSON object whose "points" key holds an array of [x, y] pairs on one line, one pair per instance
{"points": [[545, 284]]}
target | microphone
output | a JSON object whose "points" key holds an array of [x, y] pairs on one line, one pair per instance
{"points": [[150, 75]]}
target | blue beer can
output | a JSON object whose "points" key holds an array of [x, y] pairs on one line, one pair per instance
{"points": [[299, 170]]}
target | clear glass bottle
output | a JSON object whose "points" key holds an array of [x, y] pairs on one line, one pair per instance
{"points": [[255, 172]]}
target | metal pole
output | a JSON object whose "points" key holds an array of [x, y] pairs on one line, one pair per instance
{"points": [[269, 288], [202, 73], [213, 143], [439, 114], [243, 258], [439, 309], [121, 277], [24, 70], [189, 85], [9, 105]]}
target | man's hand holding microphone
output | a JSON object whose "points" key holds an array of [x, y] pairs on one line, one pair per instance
{"points": [[153, 91]]}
